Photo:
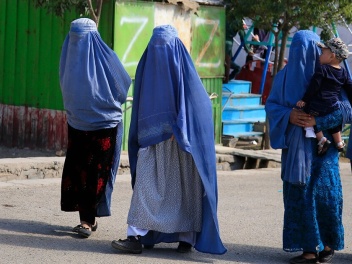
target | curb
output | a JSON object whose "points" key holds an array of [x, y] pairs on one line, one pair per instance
{"points": [[228, 159]]}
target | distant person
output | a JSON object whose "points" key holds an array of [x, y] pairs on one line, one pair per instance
{"points": [[233, 27], [312, 190], [94, 85], [324, 91], [258, 35], [172, 153]]}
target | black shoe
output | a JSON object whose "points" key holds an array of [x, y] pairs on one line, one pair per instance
{"points": [[184, 247], [148, 246], [300, 259], [129, 245], [84, 231], [326, 256], [78, 227]]}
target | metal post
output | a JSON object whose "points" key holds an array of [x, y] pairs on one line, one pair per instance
{"points": [[266, 64], [237, 52], [267, 58]]}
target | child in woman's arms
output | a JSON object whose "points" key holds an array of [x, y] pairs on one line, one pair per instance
{"points": [[323, 93]]}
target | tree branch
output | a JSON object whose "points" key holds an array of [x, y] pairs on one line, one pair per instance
{"points": [[91, 12], [99, 6]]}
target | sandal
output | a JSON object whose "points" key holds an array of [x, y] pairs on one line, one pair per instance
{"points": [[85, 231], [300, 260], [340, 146], [95, 227], [323, 146], [326, 256]]}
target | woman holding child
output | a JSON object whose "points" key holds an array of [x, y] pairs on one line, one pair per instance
{"points": [[312, 191]]}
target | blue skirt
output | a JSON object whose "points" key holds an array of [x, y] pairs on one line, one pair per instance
{"points": [[313, 212]]}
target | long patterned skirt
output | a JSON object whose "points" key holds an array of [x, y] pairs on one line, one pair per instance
{"points": [[313, 213], [87, 168], [167, 195]]}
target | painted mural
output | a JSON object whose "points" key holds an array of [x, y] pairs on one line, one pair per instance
{"points": [[202, 34]]}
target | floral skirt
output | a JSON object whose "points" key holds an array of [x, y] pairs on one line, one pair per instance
{"points": [[87, 168], [313, 213]]}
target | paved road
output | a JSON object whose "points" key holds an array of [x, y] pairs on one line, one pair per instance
{"points": [[34, 230]]}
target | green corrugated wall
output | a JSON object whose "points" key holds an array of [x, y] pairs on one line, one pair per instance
{"points": [[214, 85], [30, 48]]}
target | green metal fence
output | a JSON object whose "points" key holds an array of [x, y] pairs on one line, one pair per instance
{"points": [[30, 48]]}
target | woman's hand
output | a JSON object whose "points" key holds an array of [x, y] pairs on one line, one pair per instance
{"points": [[300, 118]]}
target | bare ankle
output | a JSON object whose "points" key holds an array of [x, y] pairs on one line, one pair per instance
{"points": [[309, 255], [326, 248], [86, 225]]}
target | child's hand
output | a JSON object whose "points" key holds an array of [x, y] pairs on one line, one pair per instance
{"points": [[256, 38], [300, 104]]}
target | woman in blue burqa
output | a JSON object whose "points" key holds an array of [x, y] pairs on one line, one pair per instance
{"points": [[172, 153], [312, 191], [94, 85]]}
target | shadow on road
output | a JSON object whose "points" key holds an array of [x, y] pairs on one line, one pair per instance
{"points": [[34, 234]]}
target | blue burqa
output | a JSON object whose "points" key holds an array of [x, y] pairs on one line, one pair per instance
{"points": [[312, 191], [169, 99], [288, 88], [94, 85], [86, 61]]}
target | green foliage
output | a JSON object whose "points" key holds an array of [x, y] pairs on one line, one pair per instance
{"points": [[82, 7], [287, 14], [326, 33], [299, 13], [59, 7]]}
